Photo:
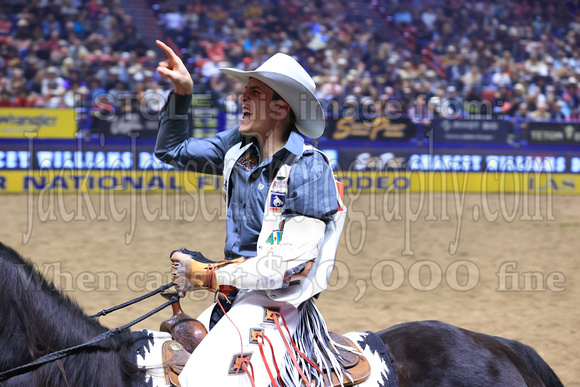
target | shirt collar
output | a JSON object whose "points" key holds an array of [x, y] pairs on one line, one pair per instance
{"points": [[295, 143], [293, 146]]}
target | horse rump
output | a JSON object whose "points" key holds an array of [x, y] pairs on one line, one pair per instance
{"points": [[534, 360], [433, 353]]}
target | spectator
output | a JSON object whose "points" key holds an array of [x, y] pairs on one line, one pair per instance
{"points": [[52, 88], [50, 45], [154, 98], [17, 82], [6, 99], [559, 110], [21, 100], [418, 111], [574, 61], [522, 111], [518, 97], [111, 78], [71, 95], [541, 113], [214, 49], [472, 80], [429, 18], [331, 90], [253, 11], [51, 27], [502, 78], [95, 90], [534, 66], [5, 28]]}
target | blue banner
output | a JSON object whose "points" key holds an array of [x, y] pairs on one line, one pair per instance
{"points": [[478, 131]]}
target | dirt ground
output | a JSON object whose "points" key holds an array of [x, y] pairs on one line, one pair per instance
{"points": [[505, 265]]}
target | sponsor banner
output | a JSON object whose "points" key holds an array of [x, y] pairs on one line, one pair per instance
{"points": [[122, 124], [492, 131], [139, 155], [96, 181], [553, 133], [205, 124], [37, 123], [122, 158], [361, 159], [461, 182], [378, 129], [143, 116]]}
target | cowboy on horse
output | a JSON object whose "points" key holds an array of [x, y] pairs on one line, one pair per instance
{"points": [[284, 219]]}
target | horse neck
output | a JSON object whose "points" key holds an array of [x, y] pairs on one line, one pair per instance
{"points": [[37, 319], [47, 319]]}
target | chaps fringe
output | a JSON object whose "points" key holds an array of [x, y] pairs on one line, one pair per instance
{"points": [[312, 338]]}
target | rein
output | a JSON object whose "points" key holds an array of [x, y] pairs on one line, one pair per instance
{"points": [[104, 312], [106, 335]]}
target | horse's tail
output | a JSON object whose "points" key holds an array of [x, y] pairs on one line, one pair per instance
{"points": [[535, 361]]}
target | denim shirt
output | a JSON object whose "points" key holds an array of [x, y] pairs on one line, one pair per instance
{"points": [[311, 187]]}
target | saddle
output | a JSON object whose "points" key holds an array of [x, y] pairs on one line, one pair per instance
{"points": [[174, 359], [188, 333], [354, 363]]}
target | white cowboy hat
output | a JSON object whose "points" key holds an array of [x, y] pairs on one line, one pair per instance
{"points": [[287, 78]]}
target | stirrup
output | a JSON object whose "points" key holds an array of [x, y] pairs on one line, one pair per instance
{"points": [[174, 359]]}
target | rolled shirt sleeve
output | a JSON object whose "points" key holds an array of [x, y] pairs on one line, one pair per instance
{"points": [[301, 242]]}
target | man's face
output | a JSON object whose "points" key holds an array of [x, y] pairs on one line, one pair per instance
{"points": [[259, 112]]}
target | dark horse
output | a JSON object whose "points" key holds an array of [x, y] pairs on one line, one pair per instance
{"points": [[37, 319]]}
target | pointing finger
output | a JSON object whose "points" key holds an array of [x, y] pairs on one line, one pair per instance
{"points": [[168, 51]]}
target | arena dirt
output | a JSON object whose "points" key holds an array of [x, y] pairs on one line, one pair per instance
{"points": [[505, 265]]}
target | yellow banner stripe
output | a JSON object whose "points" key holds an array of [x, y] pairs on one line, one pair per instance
{"points": [[72, 181]]}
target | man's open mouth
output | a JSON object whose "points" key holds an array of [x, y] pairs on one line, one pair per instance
{"points": [[246, 114]]}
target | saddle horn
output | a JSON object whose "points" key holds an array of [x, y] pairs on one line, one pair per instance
{"points": [[186, 330]]}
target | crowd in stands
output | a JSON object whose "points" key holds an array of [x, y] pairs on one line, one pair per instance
{"points": [[66, 53], [455, 58]]}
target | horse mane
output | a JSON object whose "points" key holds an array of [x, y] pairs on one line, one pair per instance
{"points": [[36, 319]]}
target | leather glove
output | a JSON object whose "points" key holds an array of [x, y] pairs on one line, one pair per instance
{"points": [[188, 274]]}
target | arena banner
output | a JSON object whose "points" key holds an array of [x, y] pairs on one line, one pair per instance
{"points": [[137, 154], [552, 133], [377, 129], [490, 131], [122, 124], [376, 159], [97, 181], [130, 181], [461, 182], [143, 117], [37, 123]]}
